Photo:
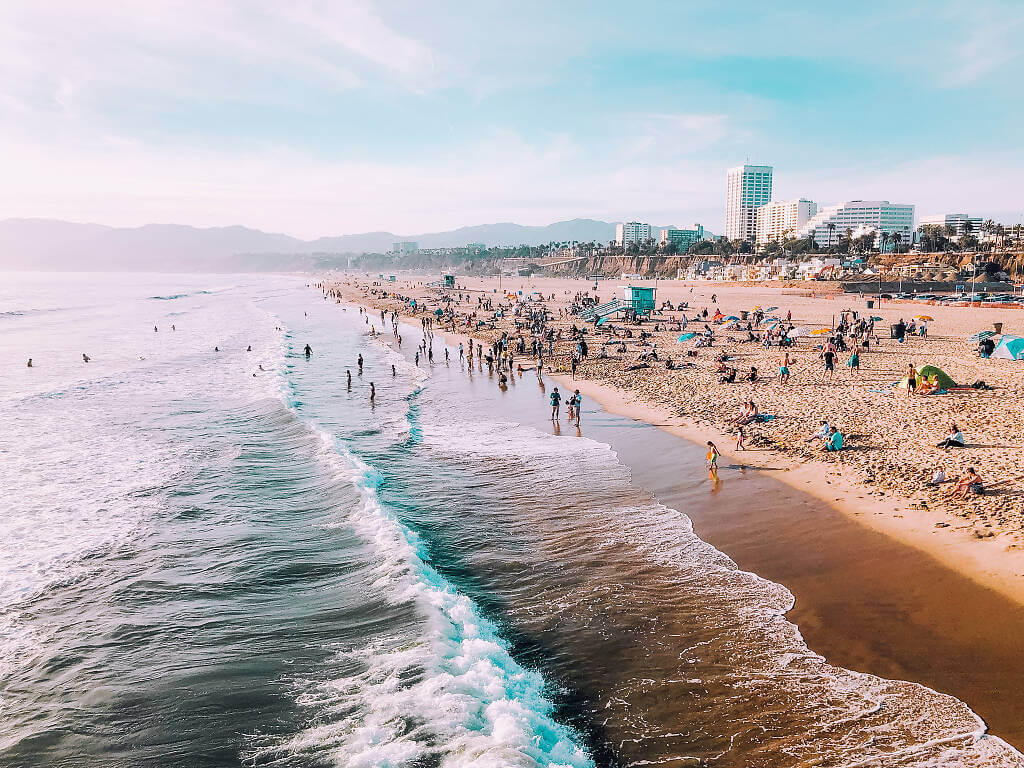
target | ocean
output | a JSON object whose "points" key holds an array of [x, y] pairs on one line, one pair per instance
{"points": [[215, 552]]}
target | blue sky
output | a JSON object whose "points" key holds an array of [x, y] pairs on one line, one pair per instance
{"points": [[318, 118]]}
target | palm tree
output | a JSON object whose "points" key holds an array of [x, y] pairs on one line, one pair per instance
{"points": [[884, 238], [897, 238], [831, 229]]}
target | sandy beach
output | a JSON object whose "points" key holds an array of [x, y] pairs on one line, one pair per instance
{"points": [[881, 478]]}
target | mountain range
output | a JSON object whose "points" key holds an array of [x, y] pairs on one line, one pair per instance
{"points": [[48, 244]]}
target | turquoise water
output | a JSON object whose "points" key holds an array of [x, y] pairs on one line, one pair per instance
{"points": [[229, 557]]}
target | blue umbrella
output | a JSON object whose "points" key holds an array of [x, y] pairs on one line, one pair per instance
{"points": [[732, 317], [685, 337]]}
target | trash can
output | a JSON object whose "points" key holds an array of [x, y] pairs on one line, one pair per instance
{"points": [[998, 327], [871, 303]]}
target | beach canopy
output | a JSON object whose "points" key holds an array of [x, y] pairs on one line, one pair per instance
{"points": [[732, 317], [923, 317], [821, 331], [686, 337], [1010, 347], [932, 371], [982, 335], [802, 330]]}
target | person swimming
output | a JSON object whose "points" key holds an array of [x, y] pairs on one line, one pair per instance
{"points": [[393, 371], [348, 378], [308, 350], [30, 362], [360, 361], [85, 358], [249, 348]]}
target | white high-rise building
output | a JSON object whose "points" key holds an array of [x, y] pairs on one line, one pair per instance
{"points": [[956, 220], [631, 232], [747, 188], [861, 217], [780, 219]]}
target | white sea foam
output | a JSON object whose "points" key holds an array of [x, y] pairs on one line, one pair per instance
{"points": [[452, 691]]}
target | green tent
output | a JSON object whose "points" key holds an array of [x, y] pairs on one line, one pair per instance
{"points": [[932, 370]]}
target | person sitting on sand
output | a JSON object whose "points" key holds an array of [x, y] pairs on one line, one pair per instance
{"points": [[834, 441], [939, 477], [928, 386], [752, 376], [955, 438], [729, 377], [821, 433], [968, 484]]}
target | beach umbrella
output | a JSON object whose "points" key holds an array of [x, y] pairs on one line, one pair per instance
{"points": [[982, 335], [732, 317], [923, 317], [821, 331], [685, 337], [771, 309]]}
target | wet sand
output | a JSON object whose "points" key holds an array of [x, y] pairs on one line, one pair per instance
{"points": [[863, 600]]}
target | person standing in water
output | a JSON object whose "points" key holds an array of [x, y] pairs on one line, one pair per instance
{"points": [[556, 398], [577, 406], [712, 459], [393, 371], [348, 378], [308, 350], [30, 362], [360, 361], [373, 392]]}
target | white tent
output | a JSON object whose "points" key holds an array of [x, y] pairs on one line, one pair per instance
{"points": [[1010, 347]]}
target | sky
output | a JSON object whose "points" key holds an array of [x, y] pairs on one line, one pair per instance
{"points": [[325, 118]]}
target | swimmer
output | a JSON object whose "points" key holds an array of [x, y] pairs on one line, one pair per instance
{"points": [[393, 371], [216, 349], [373, 392], [172, 327], [348, 377], [249, 348], [30, 362], [85, 358], [155, 329], [308, 350], [360, 361]]}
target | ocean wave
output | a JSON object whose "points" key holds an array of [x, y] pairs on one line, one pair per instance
{"points": [[453, 696]]}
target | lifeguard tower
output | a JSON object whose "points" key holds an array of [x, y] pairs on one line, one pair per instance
{"points": [[449, 281], [637, 301]]}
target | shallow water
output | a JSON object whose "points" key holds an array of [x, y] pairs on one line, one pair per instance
{"points": [[205, 567]]}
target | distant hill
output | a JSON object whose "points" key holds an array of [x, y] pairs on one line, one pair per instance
{"points": [[48, 244]]}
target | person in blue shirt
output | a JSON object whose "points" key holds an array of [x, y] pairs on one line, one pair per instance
{"points": [[834, 441]]}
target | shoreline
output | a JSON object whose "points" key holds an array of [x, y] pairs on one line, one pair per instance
{"points": [[929, 531], [987, 560]]}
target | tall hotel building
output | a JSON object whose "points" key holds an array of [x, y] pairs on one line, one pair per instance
{"points": [[777, 220], [747, 188], [629, 232], [861, 217]]}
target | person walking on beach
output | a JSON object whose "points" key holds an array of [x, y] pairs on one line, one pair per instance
{"points": [[712, 460], [854, 362], [829, 356], [739, 439], [577, 406], [784, 369], [556, 398], [461, 352]]}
